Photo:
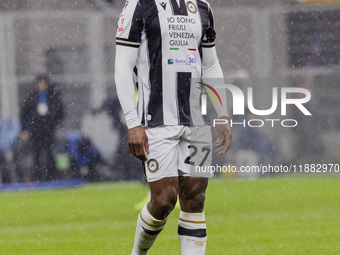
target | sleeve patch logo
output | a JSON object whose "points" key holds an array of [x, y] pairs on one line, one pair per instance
{"points": [[121, 24], [152, 165]]}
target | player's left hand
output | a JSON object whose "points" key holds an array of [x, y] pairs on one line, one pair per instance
{"points": [[224, 137]]}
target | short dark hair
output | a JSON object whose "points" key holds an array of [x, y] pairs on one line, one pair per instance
{"points": [[43, 77]]}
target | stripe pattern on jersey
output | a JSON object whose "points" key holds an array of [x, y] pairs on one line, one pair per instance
{"points": [[170, 37], [154, 38]]}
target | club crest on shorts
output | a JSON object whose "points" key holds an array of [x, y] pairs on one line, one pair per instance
{"points": [[191, 7], [152, 165]]}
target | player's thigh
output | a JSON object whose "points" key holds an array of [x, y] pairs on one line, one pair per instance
{"points": [[195, 152], [163, 156]]}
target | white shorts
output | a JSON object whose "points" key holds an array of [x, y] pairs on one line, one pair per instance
{"points": [[178, 151]]}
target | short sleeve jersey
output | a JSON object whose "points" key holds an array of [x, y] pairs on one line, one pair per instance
{"points": [[170, 35]]}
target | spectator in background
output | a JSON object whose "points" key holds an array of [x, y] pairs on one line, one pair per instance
{"points": [[9, 131], [41, 113], [317, 57], [85, 159], [24, 159]]}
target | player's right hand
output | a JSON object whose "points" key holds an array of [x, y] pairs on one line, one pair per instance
{"points": [[138, 143]]}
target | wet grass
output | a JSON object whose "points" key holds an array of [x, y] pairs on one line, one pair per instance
{"points": [[266, 216]]}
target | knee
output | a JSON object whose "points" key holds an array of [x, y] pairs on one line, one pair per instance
{"points": [[192, 202], [164, 202]]}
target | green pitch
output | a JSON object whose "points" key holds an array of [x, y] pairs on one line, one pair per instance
{"points": [[267, 216]]}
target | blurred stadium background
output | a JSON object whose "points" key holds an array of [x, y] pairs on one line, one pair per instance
{"points": [[262, 43]]}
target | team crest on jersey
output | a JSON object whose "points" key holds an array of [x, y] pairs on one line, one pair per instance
{"points": [[191, 7], [152, 165]]}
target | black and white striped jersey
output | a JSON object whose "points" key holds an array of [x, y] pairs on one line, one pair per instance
{"points": [[170, 35]]}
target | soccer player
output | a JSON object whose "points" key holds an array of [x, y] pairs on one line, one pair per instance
{"points": [[170, 42]]}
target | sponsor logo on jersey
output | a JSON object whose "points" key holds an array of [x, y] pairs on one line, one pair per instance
{"points": [[191, 7], [152, 165], [191, 61]]}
